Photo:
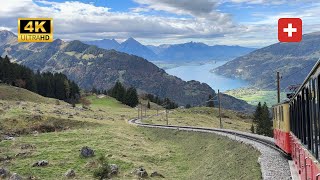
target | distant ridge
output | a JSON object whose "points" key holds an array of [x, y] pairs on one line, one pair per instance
{"points": [[132, 46], [90, 66], [105, 43], [176, 53]]}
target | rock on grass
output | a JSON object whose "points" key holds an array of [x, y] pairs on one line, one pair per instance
{"points": [[15, 176], [86, 152], [114, 169], [70, 173], [41, 163], [141, 172], [156, 174], [3, 173]]}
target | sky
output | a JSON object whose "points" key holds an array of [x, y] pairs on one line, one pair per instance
{"points": [[250, 23]]}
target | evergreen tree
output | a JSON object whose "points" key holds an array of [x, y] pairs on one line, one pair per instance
{"points": [[263, 120], [67, 88], [148, 105], [118, 92], [60, 92], [210, 102], [131, 97], [267, 123], [257, 113], [252, 128], [94, 90]]}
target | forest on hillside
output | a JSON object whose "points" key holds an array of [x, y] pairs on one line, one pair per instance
{"points": [[53, 85]]}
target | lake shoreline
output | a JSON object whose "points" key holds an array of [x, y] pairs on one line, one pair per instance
{"points": [[203, 73]]}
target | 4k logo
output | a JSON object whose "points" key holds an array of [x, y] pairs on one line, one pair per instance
{"points": [[35, 30]]}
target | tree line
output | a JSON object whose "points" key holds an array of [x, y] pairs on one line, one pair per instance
{"points": [[126, 96], [53, 85], [165, 102], [129, 96], [262, 121]]}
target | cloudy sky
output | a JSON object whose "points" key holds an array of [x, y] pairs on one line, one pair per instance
{"points": [[251, 23]]}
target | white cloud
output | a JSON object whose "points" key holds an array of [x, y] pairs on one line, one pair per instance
{"points": [[76, 20], [4, 28], [269, 2], [198, 7], [197, 20]]}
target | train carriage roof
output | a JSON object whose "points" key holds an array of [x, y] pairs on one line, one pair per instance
{"points": [[283, 102], [313, 70]]}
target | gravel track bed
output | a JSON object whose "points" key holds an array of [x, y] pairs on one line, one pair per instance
{"points": [[274, 166]]}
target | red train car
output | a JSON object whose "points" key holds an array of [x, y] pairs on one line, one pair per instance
{"points": [[281, 126], [296, 125]]}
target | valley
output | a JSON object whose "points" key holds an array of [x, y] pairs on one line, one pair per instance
{"points": [[93, 67], [34, 129]]}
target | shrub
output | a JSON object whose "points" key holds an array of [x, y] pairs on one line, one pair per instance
{"points": [[104, 169], [252, 128], [85, 102]]}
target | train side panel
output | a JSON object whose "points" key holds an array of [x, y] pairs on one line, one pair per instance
{"points": [[281, 127], [306, 165], [304, 136]]}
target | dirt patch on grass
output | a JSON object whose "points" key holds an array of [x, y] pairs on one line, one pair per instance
{"points": [[39, 124]]}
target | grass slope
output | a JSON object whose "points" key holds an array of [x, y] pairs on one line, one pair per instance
{"points": [[104, 128], [104, 101], [12, 93], [204, 117]]}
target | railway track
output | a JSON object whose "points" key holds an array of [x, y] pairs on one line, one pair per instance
{"points": [[252, 137], [273, 161]]}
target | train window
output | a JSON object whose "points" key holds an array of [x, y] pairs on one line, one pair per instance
{"points": [[318, 115], [314, 119], [300, 118], [282, 116], [273, 115], [310, 115], [303, 117], [280, 113], [307, 116]]}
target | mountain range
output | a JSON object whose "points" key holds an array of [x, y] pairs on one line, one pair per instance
{"points": [[90, 66], [293, 60], [176, 53]]}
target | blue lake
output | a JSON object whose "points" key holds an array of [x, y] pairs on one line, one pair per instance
{"points": [[202, 73]]}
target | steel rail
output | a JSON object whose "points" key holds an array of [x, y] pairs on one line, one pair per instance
{"points": [[265, 142]]}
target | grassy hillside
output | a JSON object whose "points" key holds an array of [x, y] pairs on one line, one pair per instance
{"points": [[253, 96], [204, 117], [104, 101], [12, 93], [104, 128]]}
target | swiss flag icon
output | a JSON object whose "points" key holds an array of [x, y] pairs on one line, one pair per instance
{"points": [[290, 29]]}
